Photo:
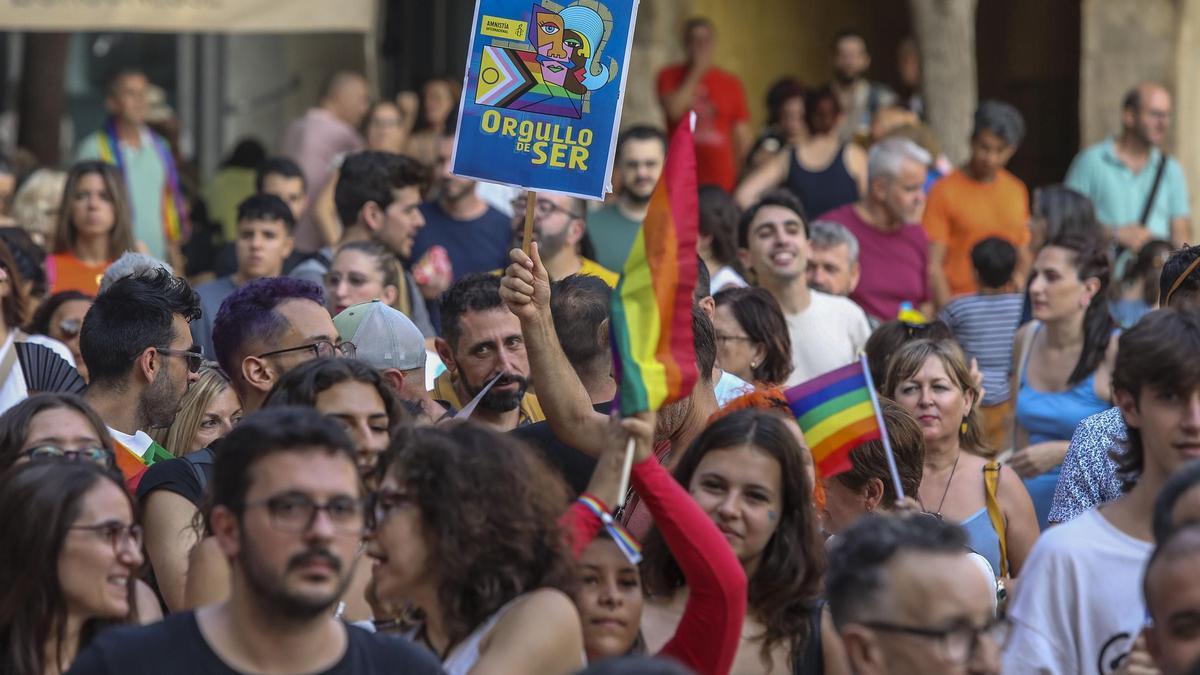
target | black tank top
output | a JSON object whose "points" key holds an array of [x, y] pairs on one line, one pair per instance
{"points": [[824, 190]]}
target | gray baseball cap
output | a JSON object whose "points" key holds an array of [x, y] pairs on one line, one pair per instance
{"points": [[385, 338]]}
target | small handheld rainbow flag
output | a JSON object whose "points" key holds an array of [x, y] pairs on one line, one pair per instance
{"points": [[838, 412], [654, 356]]}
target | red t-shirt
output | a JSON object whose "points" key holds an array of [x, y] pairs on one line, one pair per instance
{"points": [[895, 265], [720, 105]]}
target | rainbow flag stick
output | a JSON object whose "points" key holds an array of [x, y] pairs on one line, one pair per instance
{"points": [[626, 469], [883, 436]]}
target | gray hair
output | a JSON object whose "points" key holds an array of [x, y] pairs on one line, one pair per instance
{"points": [[1001, 119], [887, 157], [129, 264], [826, 234]]}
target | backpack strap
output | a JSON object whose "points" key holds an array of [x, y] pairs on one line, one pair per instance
{"points": [[991, 483], [1158, 174]]}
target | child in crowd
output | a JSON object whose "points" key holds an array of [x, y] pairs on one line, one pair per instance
{"points": [[984, 324]]}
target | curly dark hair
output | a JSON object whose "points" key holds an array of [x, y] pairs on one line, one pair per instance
{"points": [[787, 584], [490, 508]]}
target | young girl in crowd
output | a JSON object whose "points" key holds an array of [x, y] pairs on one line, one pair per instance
{"points": [[53, 426], [1062, 361], [72, 549], [931, 381], [363, 271], [94, 227], [610, 594], [465, 530], [746, 472]]}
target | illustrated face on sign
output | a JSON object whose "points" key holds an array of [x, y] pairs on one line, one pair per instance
{"points": [[548, 38]]}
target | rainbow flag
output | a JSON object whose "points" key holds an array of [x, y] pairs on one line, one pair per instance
{"points": [[837, 412], [654, 356]]}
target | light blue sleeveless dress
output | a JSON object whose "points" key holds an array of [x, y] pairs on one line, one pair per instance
{"points": [[982, 538], [1053, 416]]}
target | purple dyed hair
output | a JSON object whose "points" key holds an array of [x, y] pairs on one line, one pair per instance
{"points": [[249, 313]]}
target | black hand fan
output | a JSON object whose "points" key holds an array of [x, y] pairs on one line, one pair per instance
{"points": [[46, 371]]}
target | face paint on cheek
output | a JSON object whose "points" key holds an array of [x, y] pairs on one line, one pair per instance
{"points": [[772, 516]]}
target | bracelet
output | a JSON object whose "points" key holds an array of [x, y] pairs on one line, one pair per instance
{"points": [[620, 536]]}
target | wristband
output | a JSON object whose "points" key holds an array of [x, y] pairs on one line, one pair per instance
{"points": [[624, 541]]}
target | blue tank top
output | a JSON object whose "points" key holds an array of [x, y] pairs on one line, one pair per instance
{"points": [[982, 538], [825, 190], [1053, 415]]}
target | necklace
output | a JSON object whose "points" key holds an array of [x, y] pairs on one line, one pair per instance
{"points": [[948, 481]]}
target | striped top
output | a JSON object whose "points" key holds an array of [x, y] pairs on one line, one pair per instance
{"points": [[985, 326]]}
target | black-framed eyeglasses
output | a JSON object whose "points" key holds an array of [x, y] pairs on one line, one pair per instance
{"points": [[321, 349], [958, 643], [194, 357], [70, 327], [382, 503], [96, 455], [116, 533], [543, 208], [295, 513]]}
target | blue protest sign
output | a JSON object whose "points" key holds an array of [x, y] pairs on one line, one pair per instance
{"points": [[542, 95]]}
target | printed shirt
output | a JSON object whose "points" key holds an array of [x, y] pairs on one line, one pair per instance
{"points": [[1089, 474]]}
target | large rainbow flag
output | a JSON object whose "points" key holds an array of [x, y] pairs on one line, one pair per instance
{"points": [[654, 356], [837, 413]]}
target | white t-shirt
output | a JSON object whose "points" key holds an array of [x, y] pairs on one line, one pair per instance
{"points": [[1078, 604], [827, 335]]}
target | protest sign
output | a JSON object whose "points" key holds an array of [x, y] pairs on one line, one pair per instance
{"points": [[542, 94]]}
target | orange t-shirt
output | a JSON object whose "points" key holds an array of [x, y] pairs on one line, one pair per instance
{"points": [[68, 273], [961, 212]]}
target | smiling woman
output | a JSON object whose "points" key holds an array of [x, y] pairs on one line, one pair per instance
{"points": [[746, 473], [77, 545]]}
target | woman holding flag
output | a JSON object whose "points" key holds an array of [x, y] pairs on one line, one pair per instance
{"points": [[932, 381], [610, 592]]}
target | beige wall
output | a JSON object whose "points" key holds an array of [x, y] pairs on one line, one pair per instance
{"points": [[1126, 42], [760, 40]]}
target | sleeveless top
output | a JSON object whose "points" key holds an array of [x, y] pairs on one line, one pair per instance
{"points": [[1053, 415], [824, 190], [983, 539]]}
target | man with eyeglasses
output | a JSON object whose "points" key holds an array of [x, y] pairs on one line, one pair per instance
{"points": [[474, 234], [288, 515], [266, 328], [1140, 192], [559, 224], [907, 599], [138, 349]]}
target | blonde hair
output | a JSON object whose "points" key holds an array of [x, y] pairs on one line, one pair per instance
{"points": [[906, 362], [35, 207], [177, 438], [120, 239]]}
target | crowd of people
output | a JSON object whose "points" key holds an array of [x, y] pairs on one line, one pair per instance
{"points": [[325, 415]]}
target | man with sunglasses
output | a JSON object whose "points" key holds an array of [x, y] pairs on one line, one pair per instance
{"points": [[138, 349], [266, 328], [907, 599], [288, 515]]}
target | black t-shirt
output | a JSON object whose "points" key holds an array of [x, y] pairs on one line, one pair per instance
{"points": [[575, 466], [175, 645], [174, 475]]}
